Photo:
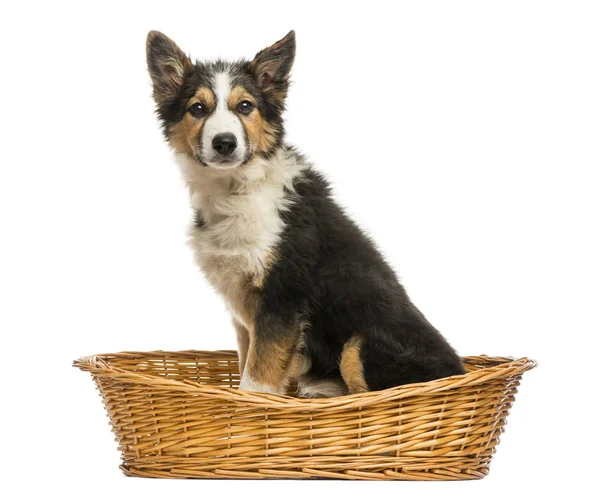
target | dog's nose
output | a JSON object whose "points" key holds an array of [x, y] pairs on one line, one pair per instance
{"points": [[224, 143]]}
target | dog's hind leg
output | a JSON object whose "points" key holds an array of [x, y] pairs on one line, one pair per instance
{"points": [[351, 366], [410, 355]]}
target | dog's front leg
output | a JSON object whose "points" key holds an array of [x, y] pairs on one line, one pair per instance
{"points": [[272, 346], [243, 340]]}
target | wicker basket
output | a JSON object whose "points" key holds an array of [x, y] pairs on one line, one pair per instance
{"points": [[180, 415]]}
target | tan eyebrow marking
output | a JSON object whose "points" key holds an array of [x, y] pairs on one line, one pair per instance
{"points": [[204, 95], [236, 95]]}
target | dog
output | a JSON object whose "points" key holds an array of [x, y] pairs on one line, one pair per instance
{"points": [[313, 302]]}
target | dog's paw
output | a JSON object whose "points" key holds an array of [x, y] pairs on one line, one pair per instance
{"points": [[247, 384]]}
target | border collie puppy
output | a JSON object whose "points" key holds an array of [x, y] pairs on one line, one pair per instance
{"points": [[313, 301]]}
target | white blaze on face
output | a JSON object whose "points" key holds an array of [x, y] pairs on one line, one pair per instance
{"points": [[223, 120]]}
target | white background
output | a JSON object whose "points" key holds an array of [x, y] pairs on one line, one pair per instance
{"points": [[464, 136]]}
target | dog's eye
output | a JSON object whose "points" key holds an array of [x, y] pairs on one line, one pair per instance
{"points": [[197, 110], [245, 107]]}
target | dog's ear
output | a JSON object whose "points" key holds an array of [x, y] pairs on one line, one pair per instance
{"points": [[271, 67], [168, 66]]}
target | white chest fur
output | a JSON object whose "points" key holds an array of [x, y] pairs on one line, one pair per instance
{"points": [[242, 212]]}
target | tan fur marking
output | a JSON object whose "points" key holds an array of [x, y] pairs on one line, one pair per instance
{"points": [[261, 135], [299, 365], [205, 96], [270, 366], [236, 95], [351, 366], [243, 297], [185, 135]]}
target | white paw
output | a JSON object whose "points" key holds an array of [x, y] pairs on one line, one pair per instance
{"points": [[247, 384]]}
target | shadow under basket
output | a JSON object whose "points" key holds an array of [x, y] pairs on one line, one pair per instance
{"points": [[180, 415]]}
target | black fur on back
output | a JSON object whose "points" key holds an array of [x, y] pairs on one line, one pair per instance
{"points": [[332, 272]]}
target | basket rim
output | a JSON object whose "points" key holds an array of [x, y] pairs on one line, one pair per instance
{"points": [[99, 365]]}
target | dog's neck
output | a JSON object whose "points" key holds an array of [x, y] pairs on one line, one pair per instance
{"points": [[218, 193]]}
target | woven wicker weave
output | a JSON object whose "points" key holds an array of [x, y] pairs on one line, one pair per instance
{"points": [[180, 415]]}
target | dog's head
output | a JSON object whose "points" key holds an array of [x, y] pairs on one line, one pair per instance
{"points": [[220, 113]]}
